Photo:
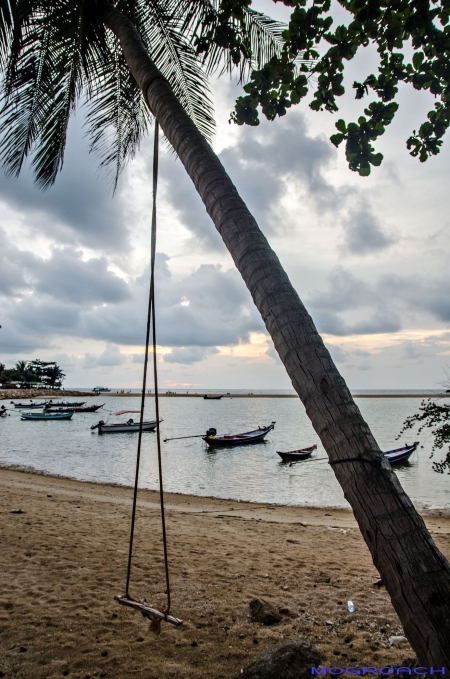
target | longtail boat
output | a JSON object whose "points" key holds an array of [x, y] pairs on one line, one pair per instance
{"points": [[121, 427], [301, 454], [254, 436], [29, 405], [400, 454], [86, 409], [66, 404], [46, 416]]}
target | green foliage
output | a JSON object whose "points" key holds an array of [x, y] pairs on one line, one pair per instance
{"points": [[392, 26], [56, 53], [27, 372], [436, 417]]}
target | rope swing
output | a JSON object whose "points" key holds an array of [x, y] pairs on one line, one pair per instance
{"points": [[154, 614]]}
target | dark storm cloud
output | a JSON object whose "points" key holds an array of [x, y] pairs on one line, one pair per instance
{"points": [[109, 358], [262, 164], [431, 295], [15, 265], [189, 355], [345, 292], [78, 209], [380, 306], [363, 232], [210, 307], [66, 277]]}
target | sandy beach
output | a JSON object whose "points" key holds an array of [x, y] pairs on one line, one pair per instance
{"points": [[64, 556]]}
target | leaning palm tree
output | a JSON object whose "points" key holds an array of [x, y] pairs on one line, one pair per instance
{"points": [[132, 58]]}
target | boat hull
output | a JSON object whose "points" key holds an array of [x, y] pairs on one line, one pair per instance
{"points": [[45, 416], [124, 428], [293, 455], [400, 454], [29, 406], [255, 436]]}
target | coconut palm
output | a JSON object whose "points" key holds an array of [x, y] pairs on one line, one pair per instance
{"points": [[131, 58], [53, 375], [22, 371]]}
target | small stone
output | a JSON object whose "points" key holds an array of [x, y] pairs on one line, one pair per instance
{"points": [[283, 610], [329, 622], [194, 643], [23, 649], [104, 653], [398, 641], [262, 611], [17, 511], [48, 495], [290, 659]]}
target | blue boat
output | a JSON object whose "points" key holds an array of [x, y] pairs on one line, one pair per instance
{"points": [[46, 416], [400, 454]]}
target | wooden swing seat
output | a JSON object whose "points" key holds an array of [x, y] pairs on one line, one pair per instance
{"points": [[147, 611]]}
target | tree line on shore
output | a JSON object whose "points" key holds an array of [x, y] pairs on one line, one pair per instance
{"points": [[27, 374]]}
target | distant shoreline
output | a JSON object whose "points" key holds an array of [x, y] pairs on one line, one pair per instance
{"points": [[55, 395]]}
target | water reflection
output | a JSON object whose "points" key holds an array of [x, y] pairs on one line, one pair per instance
{"points": [[254, 472]]}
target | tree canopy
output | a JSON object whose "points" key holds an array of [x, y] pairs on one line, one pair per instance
{"points": [[57, 54], [397, 28], [47, 373]]}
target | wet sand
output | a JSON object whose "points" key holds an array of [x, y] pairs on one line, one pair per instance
{"points": [[64, 557]]}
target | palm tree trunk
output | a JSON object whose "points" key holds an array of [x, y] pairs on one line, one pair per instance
{"points": [[416, 574]]}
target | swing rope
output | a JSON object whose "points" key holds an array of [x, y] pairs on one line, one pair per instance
{"points": [[127, 600]]}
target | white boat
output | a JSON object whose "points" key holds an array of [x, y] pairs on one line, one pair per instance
{"points": [[97, 390], [128, 426]]}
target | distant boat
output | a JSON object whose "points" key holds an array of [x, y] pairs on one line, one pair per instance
{"points": [[46, 416], [254, 436], [65, 404], [301, 454], [213, 397], [400, 454], [29, 405], [97, 390], [86, 409]]}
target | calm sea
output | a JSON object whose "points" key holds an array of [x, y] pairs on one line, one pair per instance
{"points": [[253, 473]]}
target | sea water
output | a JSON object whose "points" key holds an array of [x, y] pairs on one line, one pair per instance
{"points": [[253, 472]]}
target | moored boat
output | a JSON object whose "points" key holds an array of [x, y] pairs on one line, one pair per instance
{"points": [[65, 404], [213, 397], [401, 454], [293, 455], [46, 416], [86, 409], [128, 426], [31, 405], [121, 427], [254, 436]]}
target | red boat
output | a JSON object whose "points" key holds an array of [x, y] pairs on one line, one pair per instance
{"points": [[254, 436], [86, 409]]}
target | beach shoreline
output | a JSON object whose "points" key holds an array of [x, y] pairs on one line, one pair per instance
{"points": [[6, 394], [64, 554]]}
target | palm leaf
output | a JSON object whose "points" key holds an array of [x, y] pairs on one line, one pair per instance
{"points": [[29, 88], [117, 118], [161, 24]]}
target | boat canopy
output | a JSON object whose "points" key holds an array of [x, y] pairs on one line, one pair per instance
{"points": [[122, 412]]}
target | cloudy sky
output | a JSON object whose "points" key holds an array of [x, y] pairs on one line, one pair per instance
{"points": [[368, 256]]}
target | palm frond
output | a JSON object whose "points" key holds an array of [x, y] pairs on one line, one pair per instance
{"points": [[29, 90], [161, 24], [117, 118], [262, 34]]}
